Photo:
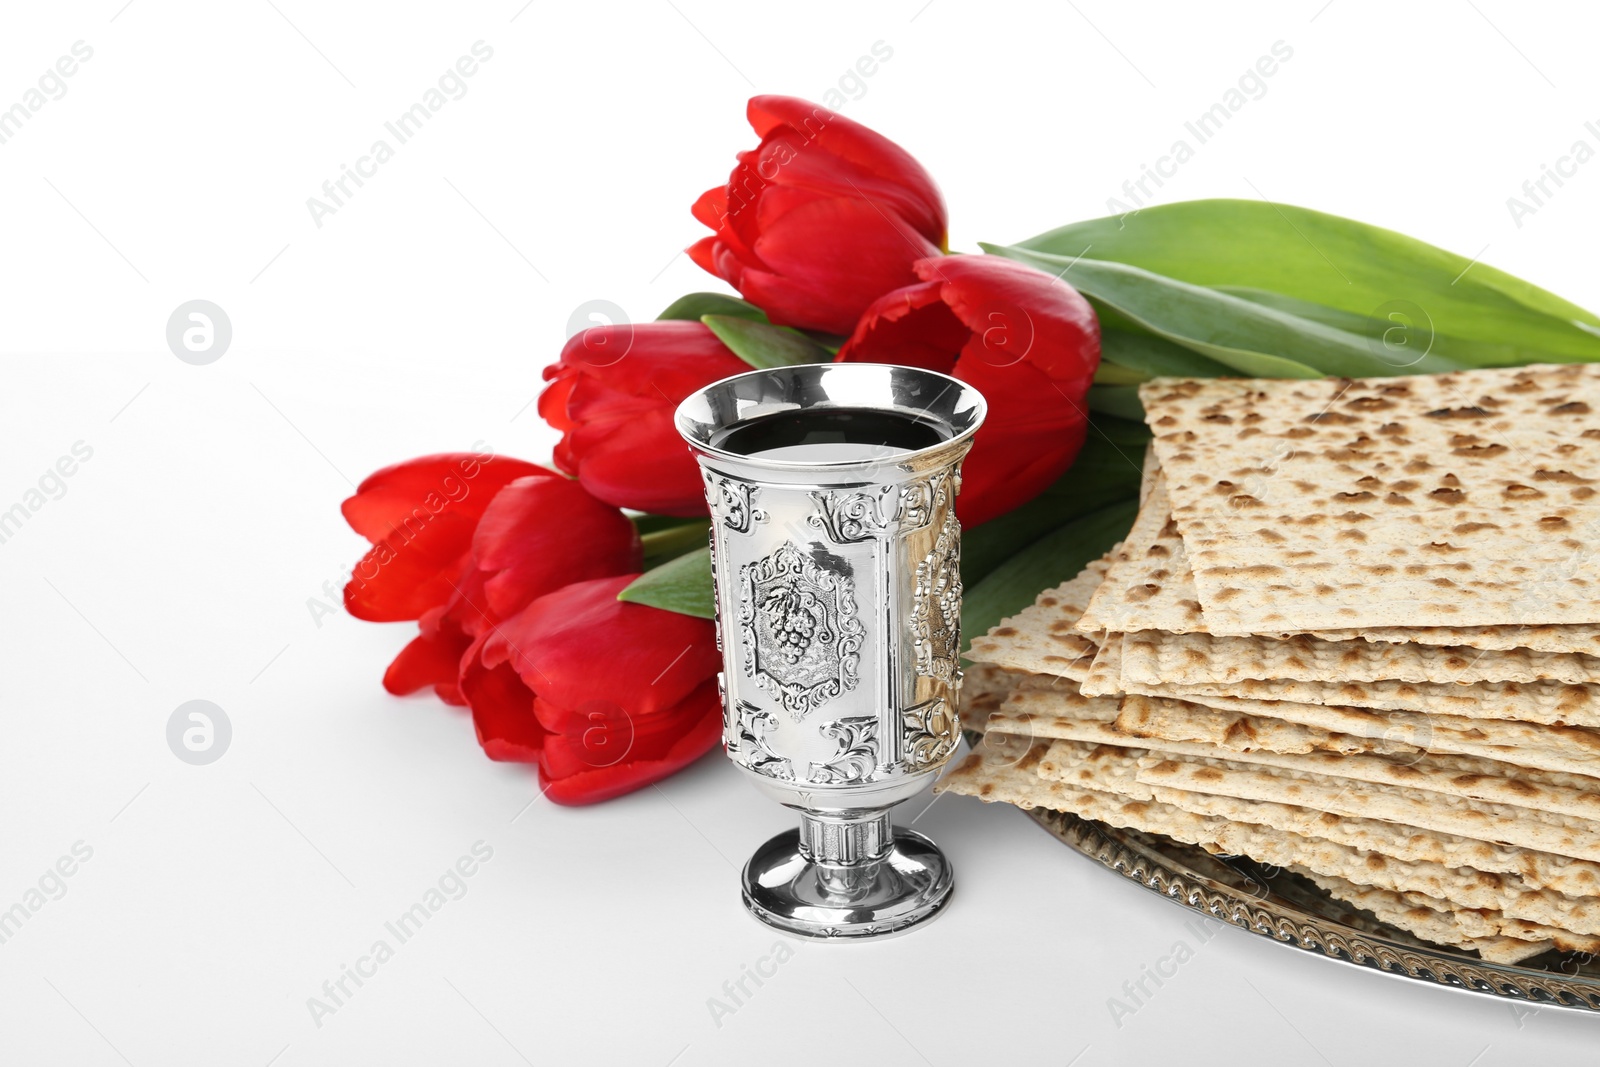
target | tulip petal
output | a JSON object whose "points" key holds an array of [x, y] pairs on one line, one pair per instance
{"points": [[468, 607], [616, 405], [429, 659], [711, 206], [1020, 314], [581, 644], [825, 256], [502, 712], [916, 196], [399, 580], [915, 326], [629, 464], [386, 498], [555, 397], [821, 217], [434, 656], [420, 516], [541, 533], [704, 254], [700, 717]]}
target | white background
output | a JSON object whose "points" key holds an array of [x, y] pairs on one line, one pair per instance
{"points": [[180, 561]]}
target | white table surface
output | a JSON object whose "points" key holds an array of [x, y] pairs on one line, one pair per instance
{"points": [[180, 560]]}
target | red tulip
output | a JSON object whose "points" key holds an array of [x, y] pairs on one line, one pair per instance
{"points": [[540, 534], [820, 218], [420, 516], [623, 694], [505, 544], [612, 395], [519, 620], [445, 632], [1028, 342], [502, 709]]}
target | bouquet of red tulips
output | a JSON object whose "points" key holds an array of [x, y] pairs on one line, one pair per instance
{"points": [[569, 609]]}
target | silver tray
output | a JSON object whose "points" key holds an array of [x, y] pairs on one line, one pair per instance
{"points": [[1279, 905]]}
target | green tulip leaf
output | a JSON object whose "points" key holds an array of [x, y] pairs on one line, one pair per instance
{"points": [[1142, 356], [1124, 434], [682, 585], [1049, 561], [1348, 321], [1337, 263], [694, 306], [648, 524], [1255, 340], [1119, 400], [763, 345], [1402, 332], [1108, 373], [671, 539], [831, 341]]}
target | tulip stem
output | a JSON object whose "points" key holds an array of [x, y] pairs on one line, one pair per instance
{"points": [[674, 541]]}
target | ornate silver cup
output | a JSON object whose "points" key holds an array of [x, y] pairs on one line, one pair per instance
{"points": [[836, 554]]}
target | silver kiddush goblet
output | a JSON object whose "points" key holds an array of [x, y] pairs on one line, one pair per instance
{"points": [[837, 562]]}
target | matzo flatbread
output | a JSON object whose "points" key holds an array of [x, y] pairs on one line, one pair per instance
{"points": [[1278, 725], [1109, 769], [1455, 795], [1162, 719], [1015, 714], [1097, 789], [1015, 781], [1469, 778], [1545, 830], [1044, 717], [1430, 924], [1476, 921], [1468, 498], [1041, 638], [984, 687], [1148, 470], [1147, 584], [1009, 774], [1536, 702], [1104, 676], [1150, 586], [1543, 870], [1155, 656]]}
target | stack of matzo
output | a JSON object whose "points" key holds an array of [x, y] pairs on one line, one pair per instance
{"points": [[1354, 633]]}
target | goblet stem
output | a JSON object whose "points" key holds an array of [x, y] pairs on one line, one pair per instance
{"points": [[847, 850], [844, 840]]}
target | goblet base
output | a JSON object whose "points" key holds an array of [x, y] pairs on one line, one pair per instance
{"points": [[906, 886]]}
